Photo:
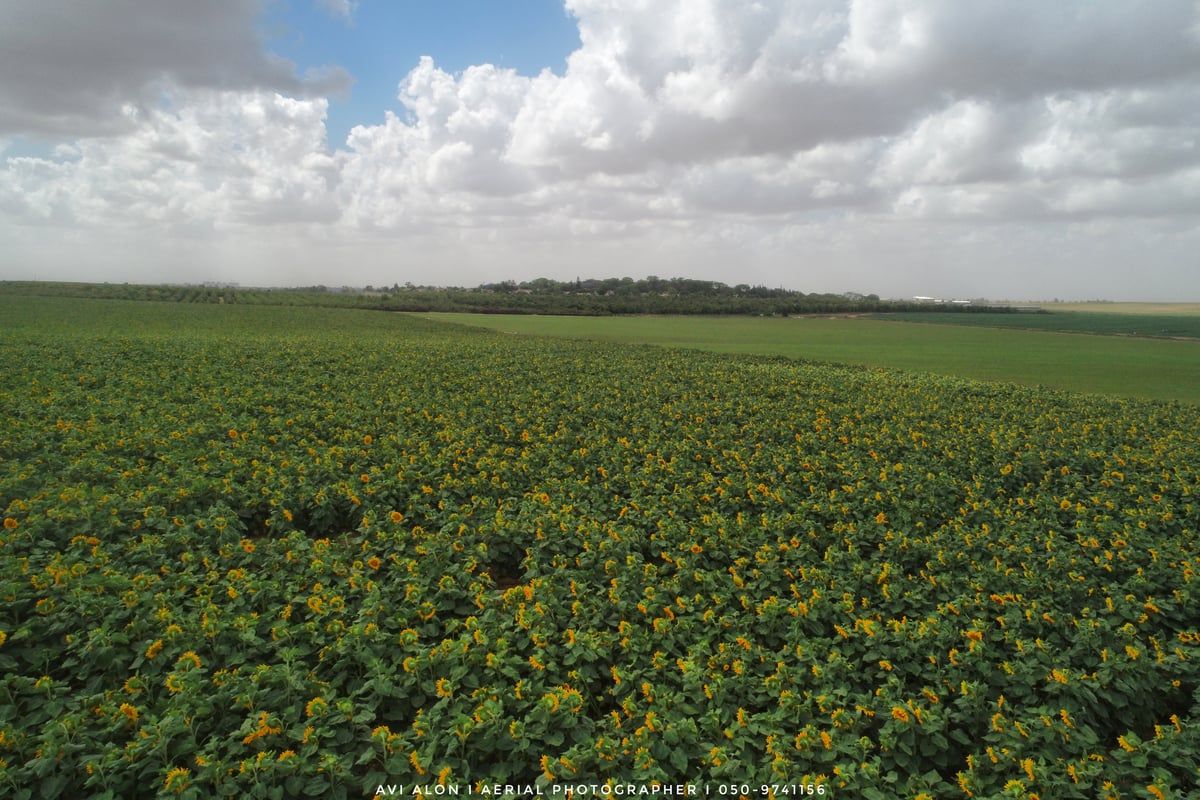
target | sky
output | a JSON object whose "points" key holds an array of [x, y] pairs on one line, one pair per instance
{"points": [[1006, 149]]}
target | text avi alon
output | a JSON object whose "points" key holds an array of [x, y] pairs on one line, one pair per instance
{"points": [[528, 790]]}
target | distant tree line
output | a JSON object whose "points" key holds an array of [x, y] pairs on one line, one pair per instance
{"points": [[591, 297]]}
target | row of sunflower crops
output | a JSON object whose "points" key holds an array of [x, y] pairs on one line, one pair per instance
{"points": [[295, 560]]}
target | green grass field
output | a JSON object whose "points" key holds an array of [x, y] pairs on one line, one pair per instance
{"points": [[1151, 324], [1120, 366], [75, 317]]}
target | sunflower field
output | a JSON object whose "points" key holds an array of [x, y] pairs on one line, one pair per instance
{"points": [[254, 552]]}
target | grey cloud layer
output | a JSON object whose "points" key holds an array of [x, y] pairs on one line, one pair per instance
{"points": [[71, 68]]}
